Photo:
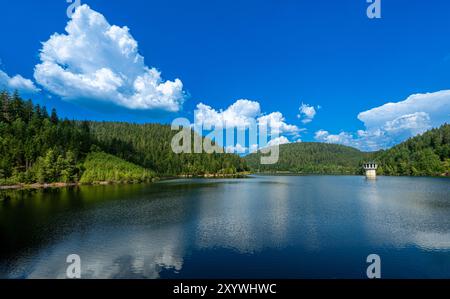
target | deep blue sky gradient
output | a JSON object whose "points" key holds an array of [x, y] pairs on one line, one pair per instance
{"points": [[277, 52]]}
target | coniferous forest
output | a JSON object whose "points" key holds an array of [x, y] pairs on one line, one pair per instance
{"points": [[424, 155], [313, 158], [149, 145], [38, 147]]}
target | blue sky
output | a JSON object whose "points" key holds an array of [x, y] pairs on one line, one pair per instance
{"points": [[327, 55]]}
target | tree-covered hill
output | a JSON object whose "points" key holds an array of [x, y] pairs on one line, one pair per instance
{"points": [[101, 167], [424, 155], [38, 147], [313, 158], [149, 145]]}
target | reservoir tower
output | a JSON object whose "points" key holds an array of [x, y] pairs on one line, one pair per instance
{"points": [[371, 170]]}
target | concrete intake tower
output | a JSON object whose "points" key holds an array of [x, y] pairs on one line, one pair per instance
{"points": [[371, 170]]}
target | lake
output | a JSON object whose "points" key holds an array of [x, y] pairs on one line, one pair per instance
{"points": [[258, 227]]}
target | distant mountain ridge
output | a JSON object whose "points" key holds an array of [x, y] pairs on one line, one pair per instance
{"points": [[424, 155], [313, 158]]}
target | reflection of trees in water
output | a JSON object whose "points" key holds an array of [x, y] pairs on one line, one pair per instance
{"points": [[147, 231], [108, 226]]}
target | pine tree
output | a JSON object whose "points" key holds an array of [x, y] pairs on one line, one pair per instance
{"points": [[54, 117]]}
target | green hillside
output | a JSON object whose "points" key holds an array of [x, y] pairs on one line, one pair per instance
{"points": [[102, 167], [38, 147], [313, 158], [149, 145], [424, 155]]}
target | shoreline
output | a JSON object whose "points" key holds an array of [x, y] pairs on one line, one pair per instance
{"points": [[38, 186], [345, 174]]}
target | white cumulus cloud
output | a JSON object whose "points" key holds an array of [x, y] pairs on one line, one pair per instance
{"points": [[242, 114], [238, 115], [411, 124], [278, 124], [278, 141], [393, 123], [307, 113], [18, 83], [236, 149], [96, 61], [341, 138], [436, 105]]}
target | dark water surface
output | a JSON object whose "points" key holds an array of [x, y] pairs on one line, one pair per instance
{"points": [[260, 227]]}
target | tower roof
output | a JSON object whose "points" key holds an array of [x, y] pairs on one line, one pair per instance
{"points": [[370, 166]]}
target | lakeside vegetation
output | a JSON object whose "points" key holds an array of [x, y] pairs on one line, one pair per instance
{"points": [[37, 147], [40, 148], [424, 155], [101, 167], [313, 158], [149, 145]]}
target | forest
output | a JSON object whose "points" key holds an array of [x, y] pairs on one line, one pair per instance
{"points": [[38, 147], [102, 167], [313, 158], [424, 155], [149, 145]]}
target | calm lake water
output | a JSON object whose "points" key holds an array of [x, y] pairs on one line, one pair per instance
{"points": [[260, 227]]}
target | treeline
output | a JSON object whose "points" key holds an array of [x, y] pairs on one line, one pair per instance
{"points": [[313, 158], [38, 147], [424, 155], [101, 167], [149, 145]]}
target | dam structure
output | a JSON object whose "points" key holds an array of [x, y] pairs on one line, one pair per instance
{"points": [[371, 170]]}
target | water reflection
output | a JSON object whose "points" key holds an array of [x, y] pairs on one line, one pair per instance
{"points": [[404, 212], [245, 218], [135, 253], [433, 240], [285, 227]]}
